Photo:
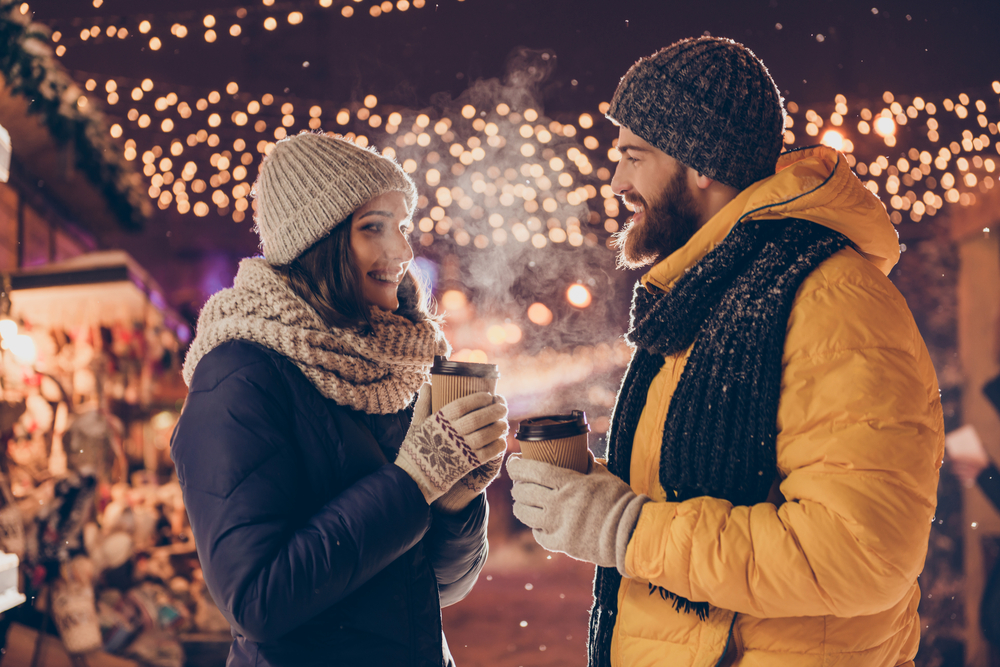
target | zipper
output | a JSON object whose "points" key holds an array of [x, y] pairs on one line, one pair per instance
{"points": [[729, 638]]}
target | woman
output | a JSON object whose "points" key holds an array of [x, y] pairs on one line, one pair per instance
{"points": [[330, 527]]}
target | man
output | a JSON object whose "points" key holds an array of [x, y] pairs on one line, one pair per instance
{"points": [[774, 451]]}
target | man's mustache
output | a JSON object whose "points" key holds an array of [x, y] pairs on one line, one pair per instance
{"points": [[633, 200]]}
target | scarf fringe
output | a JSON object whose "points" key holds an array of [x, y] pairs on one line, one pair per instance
{"points": [[681, 604]]}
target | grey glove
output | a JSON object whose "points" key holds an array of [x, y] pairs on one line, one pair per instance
{"points": [[588, 517], [440, 449]]}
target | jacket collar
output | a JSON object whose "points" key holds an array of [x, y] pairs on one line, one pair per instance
{"points": [[814, 184]]}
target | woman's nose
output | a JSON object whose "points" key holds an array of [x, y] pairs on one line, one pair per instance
{"points": [[400, 248]]}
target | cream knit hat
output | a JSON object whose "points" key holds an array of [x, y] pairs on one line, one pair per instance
{"points": [[310, 183]]}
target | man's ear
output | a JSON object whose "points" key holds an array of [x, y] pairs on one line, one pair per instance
{"points": [[702, 181]]}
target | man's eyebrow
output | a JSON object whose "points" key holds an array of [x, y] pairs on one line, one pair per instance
{"points": [[630, 147]]}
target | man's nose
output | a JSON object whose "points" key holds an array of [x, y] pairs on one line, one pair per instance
{"points": [[619, 184]]}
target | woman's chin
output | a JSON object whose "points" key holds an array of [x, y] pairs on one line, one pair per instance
{"points": [[383, 296], [385, 302]]}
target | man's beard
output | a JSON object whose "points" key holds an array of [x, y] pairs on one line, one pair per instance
{"points": [[671, 219]]}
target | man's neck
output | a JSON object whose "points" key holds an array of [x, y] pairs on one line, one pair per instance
{"points": [[710, 196], [716, 202]]}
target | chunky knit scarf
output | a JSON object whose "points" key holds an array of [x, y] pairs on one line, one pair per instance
{"points": [[377, 373], [720, 431]]}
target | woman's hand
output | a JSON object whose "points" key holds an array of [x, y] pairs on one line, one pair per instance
{"points": [[467, 488], [442, 448]]}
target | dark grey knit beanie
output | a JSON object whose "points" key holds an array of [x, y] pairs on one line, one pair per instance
{"points": [[709, 103]]}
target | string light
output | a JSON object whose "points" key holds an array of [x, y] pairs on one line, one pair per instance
{"points": [[561, 165], [578, 296], [918, 155], [833, 139], [885, 126], [538, 313], [211, 23]]}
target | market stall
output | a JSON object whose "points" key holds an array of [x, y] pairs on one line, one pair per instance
{"points": [[91, 389]]}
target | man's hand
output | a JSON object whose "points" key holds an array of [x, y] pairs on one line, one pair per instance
{"points": [[588, 517]]}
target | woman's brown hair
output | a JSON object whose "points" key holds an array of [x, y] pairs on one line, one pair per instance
{"points": [[325, 277]]}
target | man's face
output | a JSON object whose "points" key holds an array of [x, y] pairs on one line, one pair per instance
{"points": [[655, 187]]}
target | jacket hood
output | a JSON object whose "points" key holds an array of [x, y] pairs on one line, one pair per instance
{"points": [[814, 184]]}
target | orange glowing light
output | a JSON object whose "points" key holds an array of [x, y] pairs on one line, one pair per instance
{"points": [[540, 314], [833, 139], [885, 126], [454, 300], [512, 333], [578, 296], [496, 334]]}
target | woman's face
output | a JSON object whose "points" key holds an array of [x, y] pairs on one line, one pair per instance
{"points": [[381, 251]]}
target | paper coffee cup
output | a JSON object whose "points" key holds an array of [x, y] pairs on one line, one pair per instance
{"points": [[455, 379], [557, 439]]}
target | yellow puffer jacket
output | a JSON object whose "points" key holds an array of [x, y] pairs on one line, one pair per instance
{"points": [[826, 574]]}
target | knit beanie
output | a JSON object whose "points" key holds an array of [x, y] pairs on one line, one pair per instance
{"points": [[312, 182], [709, 103]]}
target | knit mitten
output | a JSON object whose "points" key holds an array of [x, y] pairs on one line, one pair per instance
{"points": [[442, 448], [465, 490]]}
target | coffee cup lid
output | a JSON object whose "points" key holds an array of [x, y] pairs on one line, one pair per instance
{"points": [[466, 368], [553, 427]]}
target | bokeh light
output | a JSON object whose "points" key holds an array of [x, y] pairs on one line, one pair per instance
{"points": [[540, 314], [885, 126], [454, 300], [578, 296], [833, 139]]}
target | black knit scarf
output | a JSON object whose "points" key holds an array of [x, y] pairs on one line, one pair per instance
{"points": [[720, 431]]}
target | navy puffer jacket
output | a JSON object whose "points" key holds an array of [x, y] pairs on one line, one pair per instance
{"points": [[316, 548]]}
